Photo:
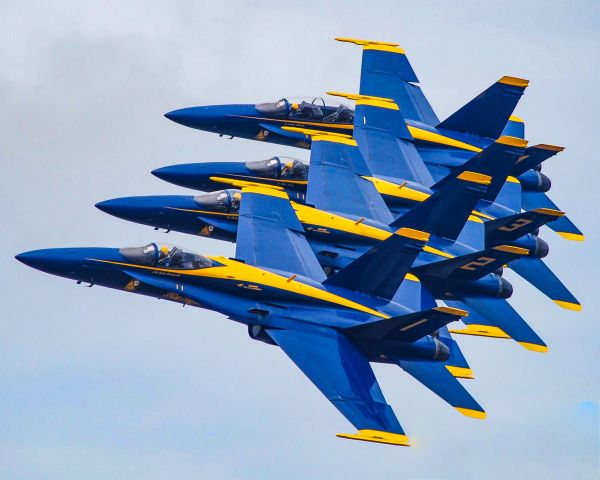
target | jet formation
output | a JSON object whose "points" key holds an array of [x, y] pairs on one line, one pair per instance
{"points": [[400, 226]]}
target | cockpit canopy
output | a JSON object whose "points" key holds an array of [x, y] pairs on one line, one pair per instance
{"points": [[279, 167], [225, 201], [313, 109], [165, 256]]}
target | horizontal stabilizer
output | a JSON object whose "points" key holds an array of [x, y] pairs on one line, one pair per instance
{"points": [[497, 161], [219, 223], [445, 213], [344, 376], [538, 274], [407, 328], [437, 378], [534, 156], [266, 213], [563, 226], [386, 72], [507, 229], [495, 317], [487, 114], [471, 266], [381, 270]]}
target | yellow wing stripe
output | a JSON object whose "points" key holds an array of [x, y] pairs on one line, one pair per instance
{"points": [[475, 177], [552, 148], [514, 118], [377, 436], [471, 413], [512, 141], [577, 237], [370, 100], [426, 136], [460, 372], [534, 347], [357, 41], [515, 81], [569, 305], [482, 331], [512, 249], [265, 190]]}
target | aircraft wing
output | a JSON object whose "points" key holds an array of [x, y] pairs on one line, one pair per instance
{"points": [[336, 183], [386, 72], [270, 235], [343, 374]]}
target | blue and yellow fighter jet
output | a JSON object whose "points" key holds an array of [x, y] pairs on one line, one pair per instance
{"points": [[402, 178], [373, 310], [386, 73], [348, 217]]}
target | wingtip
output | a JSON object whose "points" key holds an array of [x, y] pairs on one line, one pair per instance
{"points": [[514, 81], [468, 412], [461, 372], [577, 307], [534, 347], [575, 237], [377, 436], [512, 141]]}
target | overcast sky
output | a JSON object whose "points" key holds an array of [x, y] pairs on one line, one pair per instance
{"points": [[96, 384]]}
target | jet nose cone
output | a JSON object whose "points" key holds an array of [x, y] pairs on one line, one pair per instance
{"points": [[31, 259], [169, 174], [115, 206], [52, 260], [195, 117]]}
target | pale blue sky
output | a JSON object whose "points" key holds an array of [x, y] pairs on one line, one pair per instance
{"points": [[96, 384]]}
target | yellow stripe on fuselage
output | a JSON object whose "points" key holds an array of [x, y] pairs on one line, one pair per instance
{"points": [[416, 132], [235, 271]]}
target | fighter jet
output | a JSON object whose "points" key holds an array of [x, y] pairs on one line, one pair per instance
{"points": [[402, 178], [372, 310], [349, 217], [387, 73]]}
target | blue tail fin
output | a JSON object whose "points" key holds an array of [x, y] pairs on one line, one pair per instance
{"points": [[507, 229], [488, 113], [471, 266], [445, 213], [563, 226], [456, 364], [494, 317], [407, 328], [536, 272], [386, 72], [534, 156], [497, 161], [381, 270]]}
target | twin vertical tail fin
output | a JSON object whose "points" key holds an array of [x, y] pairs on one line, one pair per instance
{"points": [[497, 161], [445, 213], [381, 270], [489, 112]]}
